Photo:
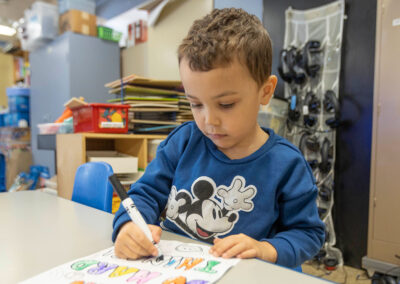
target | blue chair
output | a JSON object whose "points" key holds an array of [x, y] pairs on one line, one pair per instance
{"points": [[91, 185]]}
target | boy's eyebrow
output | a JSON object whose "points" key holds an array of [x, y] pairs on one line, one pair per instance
{"points": [[227, 93]]}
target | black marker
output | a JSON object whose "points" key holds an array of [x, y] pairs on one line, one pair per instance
{"points": [[132, 210]]}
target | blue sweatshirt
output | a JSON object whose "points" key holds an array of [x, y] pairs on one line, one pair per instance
{"points": [[269, 195]]}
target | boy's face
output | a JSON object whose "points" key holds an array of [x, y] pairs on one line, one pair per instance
{"points": [[225, 103]]}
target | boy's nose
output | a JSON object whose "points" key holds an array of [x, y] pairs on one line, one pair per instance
{"points": [[211, 118]]}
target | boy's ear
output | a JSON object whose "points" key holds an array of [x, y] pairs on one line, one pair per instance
{"points": [[267, 89]]}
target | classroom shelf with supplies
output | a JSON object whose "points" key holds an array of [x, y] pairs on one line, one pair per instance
{"points": [[74, 150]]}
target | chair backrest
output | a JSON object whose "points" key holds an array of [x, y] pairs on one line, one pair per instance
{"points": [[92, 187]]}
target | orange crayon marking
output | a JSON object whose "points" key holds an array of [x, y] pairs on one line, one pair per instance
{"points": [[189, 263], [176, 280]]}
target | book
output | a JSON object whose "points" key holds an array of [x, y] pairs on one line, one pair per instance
{"points": [[143, 81], [130, 89], [149, 109]]}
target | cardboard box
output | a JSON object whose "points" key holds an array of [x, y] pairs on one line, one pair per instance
{"points": [[78, 22]]}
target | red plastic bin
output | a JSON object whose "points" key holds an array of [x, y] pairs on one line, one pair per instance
{"points": [[101, 118]]}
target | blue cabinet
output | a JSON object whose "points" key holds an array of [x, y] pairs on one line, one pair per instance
{"points": [[72, 65]]}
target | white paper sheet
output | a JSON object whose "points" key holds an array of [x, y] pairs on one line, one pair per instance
{"points": [[182, 263]]}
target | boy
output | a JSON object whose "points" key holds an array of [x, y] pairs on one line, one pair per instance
{"points": [[224, 179]]}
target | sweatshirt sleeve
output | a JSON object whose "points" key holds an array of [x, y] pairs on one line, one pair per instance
{"points": [[300, 232], [150, 193]]}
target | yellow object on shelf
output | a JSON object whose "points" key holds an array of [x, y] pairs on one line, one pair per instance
{"points": [[116, 201]]}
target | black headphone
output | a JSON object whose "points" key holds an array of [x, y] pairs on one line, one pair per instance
{"points": [[312, 105], [324, 193], [284, 69], [289, 68], [326, 156], [311, 58], [331, 105], [322, 212], [308, 141], [294, 112]]}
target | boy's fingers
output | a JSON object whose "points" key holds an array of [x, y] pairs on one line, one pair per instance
{"points": [[216, 240], [251, 253], [222, 246], [156, 232], [234, 250], [140, 239], [135, 247], [129, 252]]}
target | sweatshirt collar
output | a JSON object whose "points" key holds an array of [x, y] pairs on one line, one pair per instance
{"points": [[222, 157]]}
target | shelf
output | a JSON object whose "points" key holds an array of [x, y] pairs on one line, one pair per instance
{"points": [[71, 152]]}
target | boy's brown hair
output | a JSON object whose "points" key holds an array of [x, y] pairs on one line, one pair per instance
{"points": [[219, 37]]}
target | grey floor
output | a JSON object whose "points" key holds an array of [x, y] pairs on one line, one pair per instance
{"points": [[345, 274]]}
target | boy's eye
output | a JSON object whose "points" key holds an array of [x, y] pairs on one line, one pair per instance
{"points": [[192, 105], [227, 105]]}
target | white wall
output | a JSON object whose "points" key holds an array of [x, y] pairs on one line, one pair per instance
{"points": [[158, 57]]}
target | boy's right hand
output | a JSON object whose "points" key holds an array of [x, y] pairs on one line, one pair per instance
{"points": [[132, 243]]}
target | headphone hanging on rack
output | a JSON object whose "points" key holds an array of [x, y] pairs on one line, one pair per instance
{"points": [[324, 193], [311, 107], [326, 156], [310, 142], [310, 58], [289, 68], [294, 112], [331, 105]]}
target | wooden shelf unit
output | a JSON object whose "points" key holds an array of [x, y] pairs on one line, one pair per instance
{"points": [[71, 153]]}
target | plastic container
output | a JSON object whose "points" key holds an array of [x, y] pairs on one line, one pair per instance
{"points": [[87, 6], [108, 34], [16, 119], [18, 99], [40, 27], [66, 127], [101, 118], [2, 173], [2, 115], [49, 128], [42, 21]]}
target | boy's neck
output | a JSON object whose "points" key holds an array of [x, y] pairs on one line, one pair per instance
{"points": [[257, 141]]}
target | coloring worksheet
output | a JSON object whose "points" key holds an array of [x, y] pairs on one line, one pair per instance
{"points": [[181, 263]]}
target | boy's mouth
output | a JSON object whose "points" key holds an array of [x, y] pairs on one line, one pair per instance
{"points": [[216, 136]]}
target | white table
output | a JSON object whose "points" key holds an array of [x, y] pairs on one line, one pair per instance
{"points": [[40, 231]]}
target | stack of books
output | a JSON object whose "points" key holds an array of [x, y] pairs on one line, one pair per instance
{"points": [[156, 106]]}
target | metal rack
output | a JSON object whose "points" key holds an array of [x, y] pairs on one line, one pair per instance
{"points": [[310, 67]]}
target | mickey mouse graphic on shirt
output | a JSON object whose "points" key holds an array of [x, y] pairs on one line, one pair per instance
{"points": [[203, 216]]}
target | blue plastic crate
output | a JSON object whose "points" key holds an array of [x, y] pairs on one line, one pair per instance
{"points": [[2, 119], [16, 119], [18, 99], [2, 173]]}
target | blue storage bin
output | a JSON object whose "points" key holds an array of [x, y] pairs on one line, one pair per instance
{"points": [[2, 119], [18, 99], [16, 119], [2, 173], [88, 6]]}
